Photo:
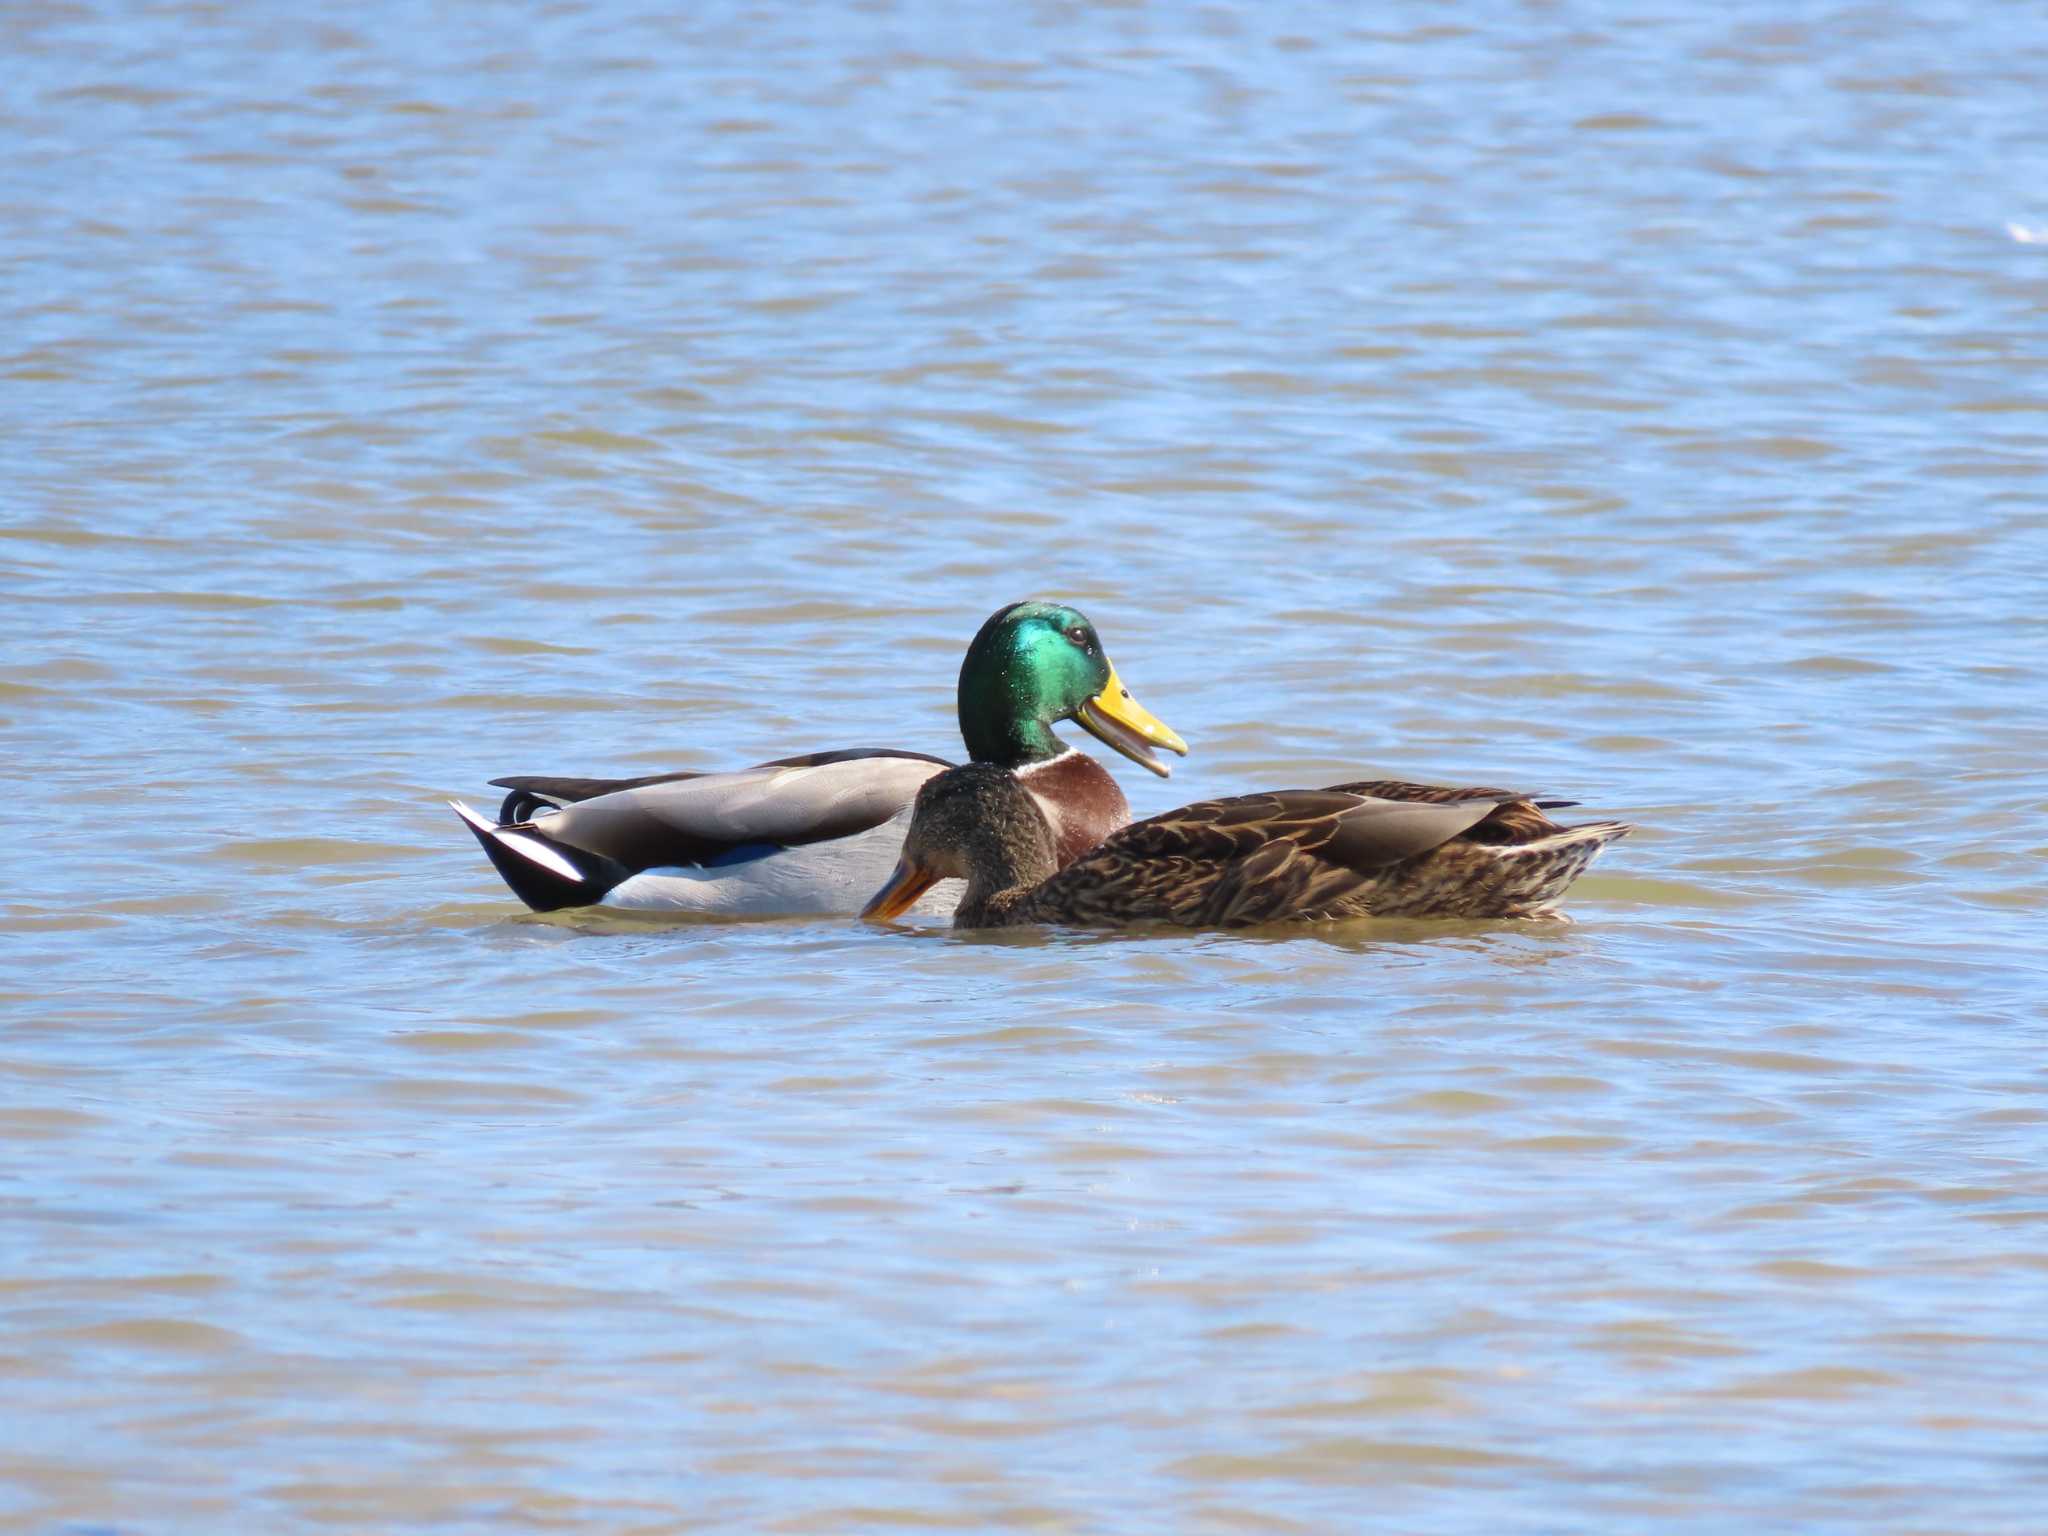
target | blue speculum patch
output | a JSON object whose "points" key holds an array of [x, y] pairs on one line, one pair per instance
{"points": [[745, 853]]}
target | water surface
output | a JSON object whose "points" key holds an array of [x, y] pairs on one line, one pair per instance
{"points": [[1643, 408]]}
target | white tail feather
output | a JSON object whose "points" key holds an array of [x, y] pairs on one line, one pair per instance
{"points": [[532, 849]]}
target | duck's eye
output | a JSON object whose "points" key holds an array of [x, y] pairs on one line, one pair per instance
{"points": [[1084, 637]]}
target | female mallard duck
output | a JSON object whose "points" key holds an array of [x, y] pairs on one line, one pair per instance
{"points": [[815, 834], [1378, 849]]}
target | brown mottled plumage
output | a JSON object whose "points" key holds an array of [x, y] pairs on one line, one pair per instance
{"points": [[1355, 850], [1515, 862]]}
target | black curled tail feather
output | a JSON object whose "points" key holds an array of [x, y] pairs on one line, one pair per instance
{"points": [[521, 805]]}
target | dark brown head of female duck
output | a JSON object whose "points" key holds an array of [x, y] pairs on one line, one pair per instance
{"points": [[974, 823]]}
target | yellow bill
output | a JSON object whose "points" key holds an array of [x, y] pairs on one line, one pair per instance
{"points": [[1118, 720]]}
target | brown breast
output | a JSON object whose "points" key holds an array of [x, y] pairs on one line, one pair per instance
{"points": [[1080, 799]]}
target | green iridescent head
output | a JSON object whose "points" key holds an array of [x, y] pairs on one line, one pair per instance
{"points": [[1034, 663]]}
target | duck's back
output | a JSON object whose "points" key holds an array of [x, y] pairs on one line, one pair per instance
{"points": [[1515, 862], [1279, 856]]}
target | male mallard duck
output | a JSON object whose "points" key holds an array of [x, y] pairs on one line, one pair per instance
{"points": [[815, 834], [1377, 849]]}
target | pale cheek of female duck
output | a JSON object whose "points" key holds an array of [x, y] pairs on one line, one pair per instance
{"points": [[934, 857]]}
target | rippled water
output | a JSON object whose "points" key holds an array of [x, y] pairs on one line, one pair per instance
{"points": [[1644, 407]]}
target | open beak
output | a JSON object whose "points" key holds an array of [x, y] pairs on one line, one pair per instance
{"points": [[905, 884], [1118, 720]]}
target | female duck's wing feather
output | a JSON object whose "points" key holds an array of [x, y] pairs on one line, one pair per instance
{"points": [[1250, 858], [574, 855], [1518, 819], [1514, 862]]}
